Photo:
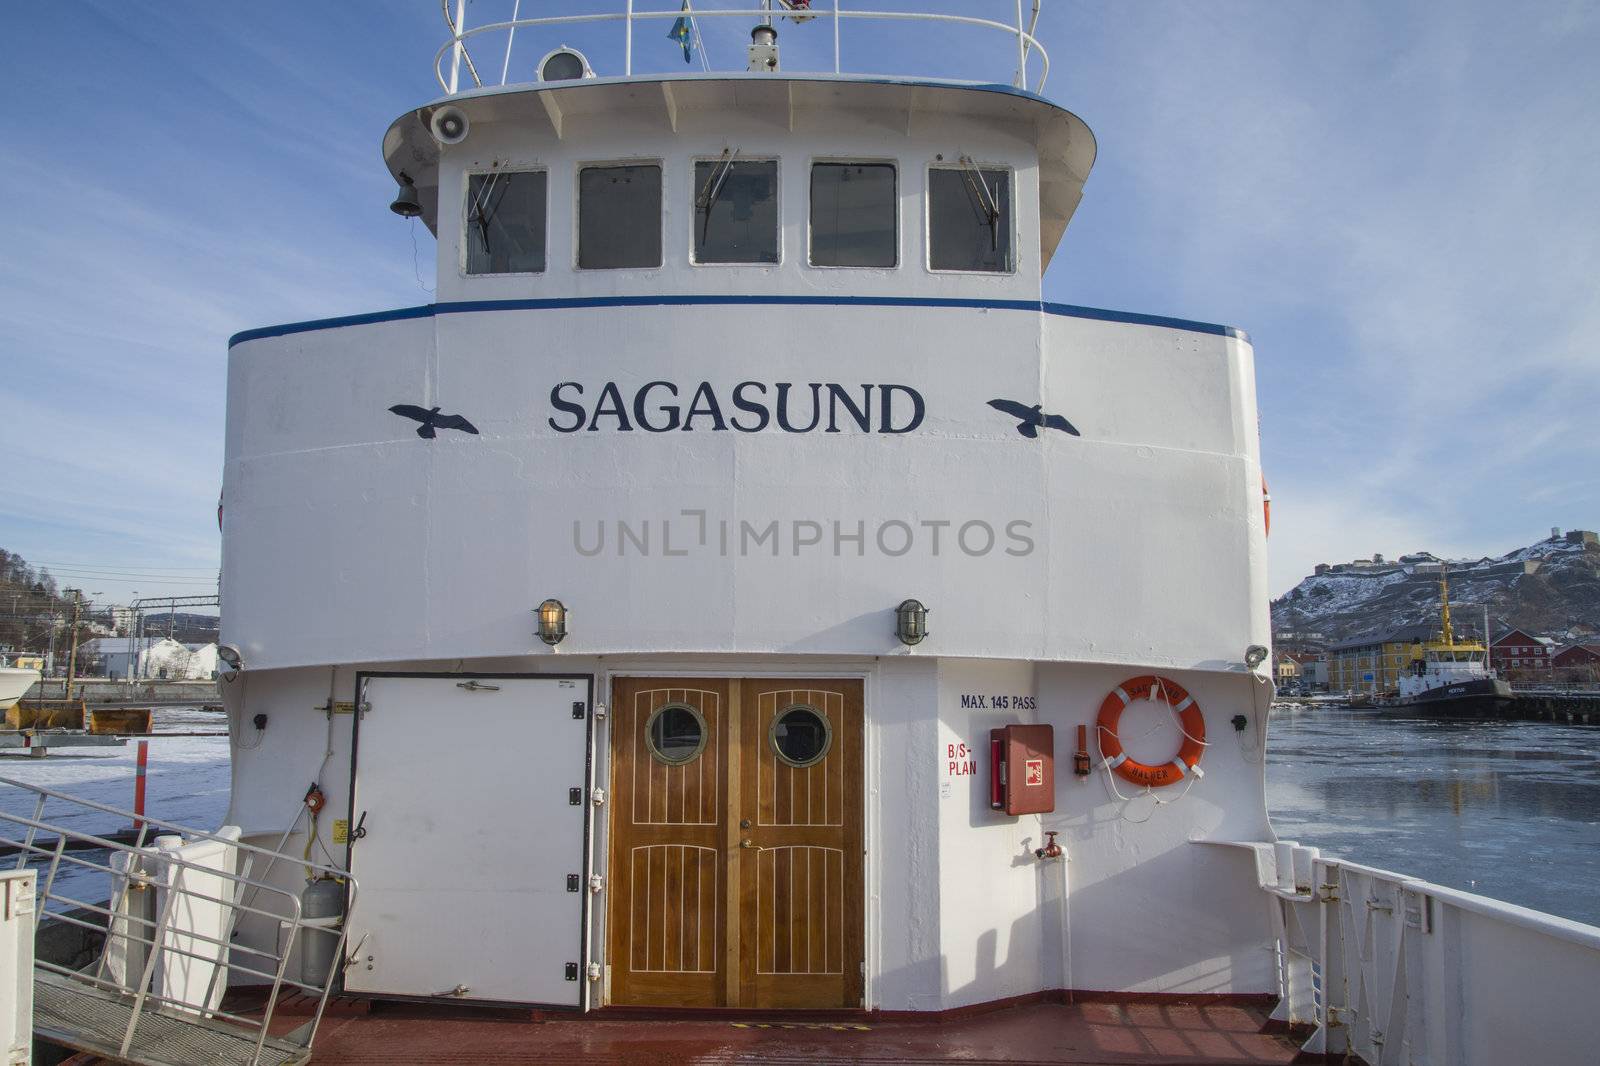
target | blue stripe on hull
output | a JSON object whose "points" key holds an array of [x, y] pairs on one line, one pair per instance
{"points": [[459, 307]]}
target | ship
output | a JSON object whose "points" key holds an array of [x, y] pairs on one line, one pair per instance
{"points": [[1450, 678], [15, 682], [739, 615]]}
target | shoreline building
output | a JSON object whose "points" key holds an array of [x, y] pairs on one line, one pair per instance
{"points": [[1578, 663], [1374, 662], [1518, 655]]}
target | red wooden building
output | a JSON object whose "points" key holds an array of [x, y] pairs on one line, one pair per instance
{"points": [[1578, 662], [1519, 654]]}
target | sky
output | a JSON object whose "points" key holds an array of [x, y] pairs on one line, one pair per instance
{"points": [[1396, 201]]}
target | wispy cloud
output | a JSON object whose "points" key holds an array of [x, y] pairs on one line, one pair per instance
{"points": [[1397, 203], [220, 170]]}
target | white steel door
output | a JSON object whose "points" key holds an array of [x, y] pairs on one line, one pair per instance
{"points": [[470, 797]]}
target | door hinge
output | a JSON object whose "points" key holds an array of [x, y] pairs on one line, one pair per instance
{"points": [[597, 884], [599, 710], [575, 797], [579, 710], [574, 882], [598, 798], [572, 971]]}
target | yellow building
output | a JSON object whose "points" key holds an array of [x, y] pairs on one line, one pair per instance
{"points": [[1374, 663]]}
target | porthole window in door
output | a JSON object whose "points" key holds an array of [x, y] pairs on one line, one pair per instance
{"points": [[800, 735], [675, 734]]}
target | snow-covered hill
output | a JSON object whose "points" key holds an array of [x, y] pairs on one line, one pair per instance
{"points": [[1550, 588]]}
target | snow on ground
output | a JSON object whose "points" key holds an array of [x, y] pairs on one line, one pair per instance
{"points": [[187, 781], [1337, 593], [1540, 550], [187, 778]]}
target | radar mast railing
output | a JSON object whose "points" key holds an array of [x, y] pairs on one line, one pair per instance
{"points": [[456, 47]]}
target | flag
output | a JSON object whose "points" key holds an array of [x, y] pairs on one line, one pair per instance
{"points": [[683, 32]]}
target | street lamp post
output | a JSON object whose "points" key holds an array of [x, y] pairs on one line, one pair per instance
{"points": [[133, 612]]}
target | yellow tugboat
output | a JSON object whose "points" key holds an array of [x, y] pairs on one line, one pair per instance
{"points": [[1449, 677]]}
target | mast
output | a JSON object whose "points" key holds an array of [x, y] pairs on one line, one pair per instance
{"points": [[1444, 595]]}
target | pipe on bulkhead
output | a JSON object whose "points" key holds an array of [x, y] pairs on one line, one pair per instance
{"points": [[1054, 853]]}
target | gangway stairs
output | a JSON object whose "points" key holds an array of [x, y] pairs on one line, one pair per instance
{"points": [[156, 917]]}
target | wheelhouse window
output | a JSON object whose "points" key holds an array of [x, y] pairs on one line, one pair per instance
{"points": [[854, 215], [506, 222], [736, 211], [969, 218], [619, 216]]}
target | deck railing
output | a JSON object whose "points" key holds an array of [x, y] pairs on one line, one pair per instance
{"points": [[1396, 970], [457, 50], [160, 912], [1558, 688]]}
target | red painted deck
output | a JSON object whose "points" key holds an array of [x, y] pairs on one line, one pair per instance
{"points": [[1108, 1033], [1105, 1033]]}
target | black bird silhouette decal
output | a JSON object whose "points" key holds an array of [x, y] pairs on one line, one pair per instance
{"points": [[432, 420], [1030, 419]]}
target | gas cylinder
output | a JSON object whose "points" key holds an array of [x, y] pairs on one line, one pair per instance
{"points": [[321, 908]]}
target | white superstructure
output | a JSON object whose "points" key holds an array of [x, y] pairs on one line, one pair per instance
{"points": [[729, 366], [1442, 669]]}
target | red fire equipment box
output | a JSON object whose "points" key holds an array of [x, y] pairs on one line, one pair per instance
{"points": [[1022, 775]]}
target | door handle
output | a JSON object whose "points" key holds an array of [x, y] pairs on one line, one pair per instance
{"points": [[746, 843]]}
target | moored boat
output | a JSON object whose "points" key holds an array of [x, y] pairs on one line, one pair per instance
{"points": [[14, 684], [1450, 677]]}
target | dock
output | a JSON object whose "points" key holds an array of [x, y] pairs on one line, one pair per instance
{"points": [[1556, 703], [114, 692], [39, 742]]}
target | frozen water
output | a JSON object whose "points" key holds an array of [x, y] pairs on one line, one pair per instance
{"points": [[187, 781], [1509, 810]]}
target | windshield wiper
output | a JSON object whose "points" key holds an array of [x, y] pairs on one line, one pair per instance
{"points": [[982, 199], [712, 189], [482, 212]]}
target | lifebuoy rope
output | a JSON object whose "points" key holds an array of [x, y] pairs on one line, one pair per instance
{"points": [[1110, 779], [1184, 764]]}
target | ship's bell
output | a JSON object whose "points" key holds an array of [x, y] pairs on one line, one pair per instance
{"points": [[406, 204]]}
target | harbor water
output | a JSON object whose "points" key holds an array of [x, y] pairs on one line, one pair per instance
{"points": [[1509, 810]]}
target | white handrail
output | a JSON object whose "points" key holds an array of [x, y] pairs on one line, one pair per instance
{"points": [[1394, 969], [456, 45], [189, 934]]}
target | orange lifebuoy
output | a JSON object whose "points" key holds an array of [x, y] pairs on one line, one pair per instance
{"points": [[1266, 506], [1190, 720]]}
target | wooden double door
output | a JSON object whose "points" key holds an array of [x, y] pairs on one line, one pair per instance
{"points": [[735, 872]]}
